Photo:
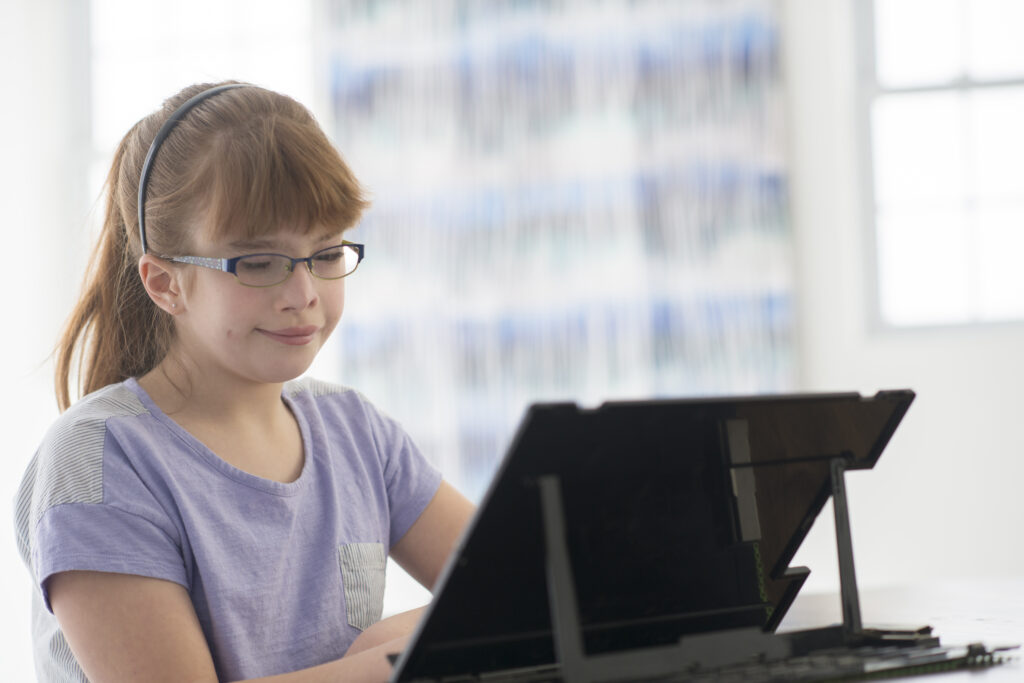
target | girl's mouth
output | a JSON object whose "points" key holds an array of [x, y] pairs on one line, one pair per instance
{"points": [[292, 336]]}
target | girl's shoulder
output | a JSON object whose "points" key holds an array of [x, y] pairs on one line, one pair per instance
{"points": [[315, 388], [86, 421], [327, 396], [73, 448], [68, 466], [338, 405]]}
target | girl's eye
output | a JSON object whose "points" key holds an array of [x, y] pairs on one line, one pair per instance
{"points": [[255, 264], [329, 256]]}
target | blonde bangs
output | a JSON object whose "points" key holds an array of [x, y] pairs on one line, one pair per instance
{"points": [[275, 173]]}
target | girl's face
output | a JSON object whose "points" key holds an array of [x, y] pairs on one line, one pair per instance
{"points": [[236, 334]]}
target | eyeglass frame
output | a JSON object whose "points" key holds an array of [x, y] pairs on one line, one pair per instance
{"points": [[230, 265]]}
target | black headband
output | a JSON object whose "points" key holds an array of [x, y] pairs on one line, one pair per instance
{"points": [[161, 135]]}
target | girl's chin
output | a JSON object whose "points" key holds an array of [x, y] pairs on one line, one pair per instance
{"points": [[277, 373]]}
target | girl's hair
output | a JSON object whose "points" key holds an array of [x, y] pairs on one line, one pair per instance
{"points": [[243, 163]]}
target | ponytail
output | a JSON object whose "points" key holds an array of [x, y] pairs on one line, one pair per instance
{"points": [[115, 331]]}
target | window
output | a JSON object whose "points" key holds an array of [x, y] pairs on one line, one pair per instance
{"points": [[945, 108]]}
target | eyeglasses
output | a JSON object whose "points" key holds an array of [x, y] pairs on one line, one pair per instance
{"points": [[267, 270]]}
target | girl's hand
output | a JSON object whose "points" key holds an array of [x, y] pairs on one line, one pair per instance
{"points": [[130, 628], [393, 629]]}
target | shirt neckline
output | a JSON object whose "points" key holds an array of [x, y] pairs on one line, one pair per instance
{"points": [[272, 486]]}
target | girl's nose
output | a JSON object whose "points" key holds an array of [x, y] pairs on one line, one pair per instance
{"points": [[299, 290]]}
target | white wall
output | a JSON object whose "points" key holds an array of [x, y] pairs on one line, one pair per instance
{"points": [[41, 181], [944, 500]]}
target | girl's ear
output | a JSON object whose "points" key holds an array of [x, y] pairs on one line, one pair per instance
{"points": [[161, 282]]}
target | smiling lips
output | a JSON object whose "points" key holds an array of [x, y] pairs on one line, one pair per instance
{"points": [[292, 336]]}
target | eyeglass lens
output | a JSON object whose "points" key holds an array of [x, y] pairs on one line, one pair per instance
{"points": [[263, 270]]}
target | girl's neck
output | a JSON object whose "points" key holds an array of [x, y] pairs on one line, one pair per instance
{"points": [[182, 394], [249, 427]]}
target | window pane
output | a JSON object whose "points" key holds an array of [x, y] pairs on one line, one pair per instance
{"points": [[997, 143], [918, 41], [994, 39], [1001, 251], [918, 150], [923, 277]]}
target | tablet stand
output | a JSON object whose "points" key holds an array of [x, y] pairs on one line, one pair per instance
{"points": [[697, 652]]}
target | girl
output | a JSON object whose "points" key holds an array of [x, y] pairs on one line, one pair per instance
{"points": [[202, 514]]}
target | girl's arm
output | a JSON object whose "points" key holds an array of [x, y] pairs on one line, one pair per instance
{"points": [[123, 627], [131, 628], [424, 549]]}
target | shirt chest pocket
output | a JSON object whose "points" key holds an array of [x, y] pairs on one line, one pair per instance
{"points": [[362, 575]]}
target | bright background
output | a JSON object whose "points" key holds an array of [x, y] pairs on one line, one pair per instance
{"points": [[664, 227]]}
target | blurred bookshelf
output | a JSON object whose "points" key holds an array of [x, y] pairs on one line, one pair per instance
{"points": [[577, 201]]}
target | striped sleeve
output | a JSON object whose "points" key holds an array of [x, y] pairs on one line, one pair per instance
{"points": [[65, 473], [64, 520]]}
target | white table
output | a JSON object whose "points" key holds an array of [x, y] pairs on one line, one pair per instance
{"points": [[959, 611]]}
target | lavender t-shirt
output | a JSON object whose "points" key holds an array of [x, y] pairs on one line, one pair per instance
{"points": [[282, 576]]}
